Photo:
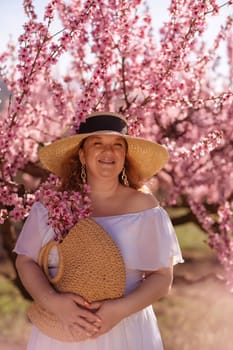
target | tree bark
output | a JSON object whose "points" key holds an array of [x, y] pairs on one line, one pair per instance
{"points": [[9, 234]]}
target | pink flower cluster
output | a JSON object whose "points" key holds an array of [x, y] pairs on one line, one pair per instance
{"points": [[172, 91], [203, 147], [65, 209], [16, 204], [220, 241]]}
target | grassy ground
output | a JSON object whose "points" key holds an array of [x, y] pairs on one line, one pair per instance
{"points": [[13, 322], [198, 313]]}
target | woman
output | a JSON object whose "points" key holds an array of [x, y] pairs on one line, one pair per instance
{"points": [[115, 166]]}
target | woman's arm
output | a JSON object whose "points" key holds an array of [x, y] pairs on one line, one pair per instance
{"points": [[71, 309], [155, 285]]}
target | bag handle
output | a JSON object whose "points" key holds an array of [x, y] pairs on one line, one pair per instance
{"points": [[43, 260]]}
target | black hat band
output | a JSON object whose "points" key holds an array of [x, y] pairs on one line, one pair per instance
{"points": [[103, 123]]}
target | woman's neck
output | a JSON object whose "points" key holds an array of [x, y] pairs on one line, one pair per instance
{"points": [[104, 190], [107, 200]]}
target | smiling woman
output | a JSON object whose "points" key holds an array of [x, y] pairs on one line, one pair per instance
{"points": [[103, 156], [114, 165]]}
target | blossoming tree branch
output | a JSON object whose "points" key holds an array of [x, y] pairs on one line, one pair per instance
{"points": [[170, 91]]}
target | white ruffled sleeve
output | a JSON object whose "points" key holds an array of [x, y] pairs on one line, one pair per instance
{"points": [[157, 245], [35, 233], [146, 239]]}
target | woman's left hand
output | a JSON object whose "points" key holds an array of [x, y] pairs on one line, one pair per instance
{"points": [[110, 312]]}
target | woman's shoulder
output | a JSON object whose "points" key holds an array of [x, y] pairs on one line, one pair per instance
{"points": [[139, 200]]}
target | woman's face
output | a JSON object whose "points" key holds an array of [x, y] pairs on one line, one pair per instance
{"points": [[103, 155]]}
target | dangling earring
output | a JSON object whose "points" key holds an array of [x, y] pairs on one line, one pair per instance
{"points": [[124, 177], [83, 174]]}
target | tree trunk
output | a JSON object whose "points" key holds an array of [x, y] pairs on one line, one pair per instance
{"points": [[9, 232]]}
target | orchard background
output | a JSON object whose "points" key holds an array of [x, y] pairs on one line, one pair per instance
{"points": [[174, 87]]}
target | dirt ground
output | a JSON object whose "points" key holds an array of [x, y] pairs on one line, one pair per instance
{"points": [[196, 308], [198, 313], [4, 345]]}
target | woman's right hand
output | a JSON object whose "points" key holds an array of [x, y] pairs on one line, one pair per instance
{"points": [[71, 309], [75, 313]]}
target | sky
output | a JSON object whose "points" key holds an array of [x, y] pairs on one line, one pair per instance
{"points": [[12, 18]]}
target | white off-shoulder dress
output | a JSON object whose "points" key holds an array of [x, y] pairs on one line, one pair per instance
{"points": [[147, 242]]}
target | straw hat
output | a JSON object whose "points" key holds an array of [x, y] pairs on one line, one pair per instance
{"points": [[90, 265], [145, 157]]}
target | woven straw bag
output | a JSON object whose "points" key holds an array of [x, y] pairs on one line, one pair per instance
{"points": [[90, 265]]}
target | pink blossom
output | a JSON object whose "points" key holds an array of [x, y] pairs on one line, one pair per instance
{"points": [[64, 208], [170, 91]]}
